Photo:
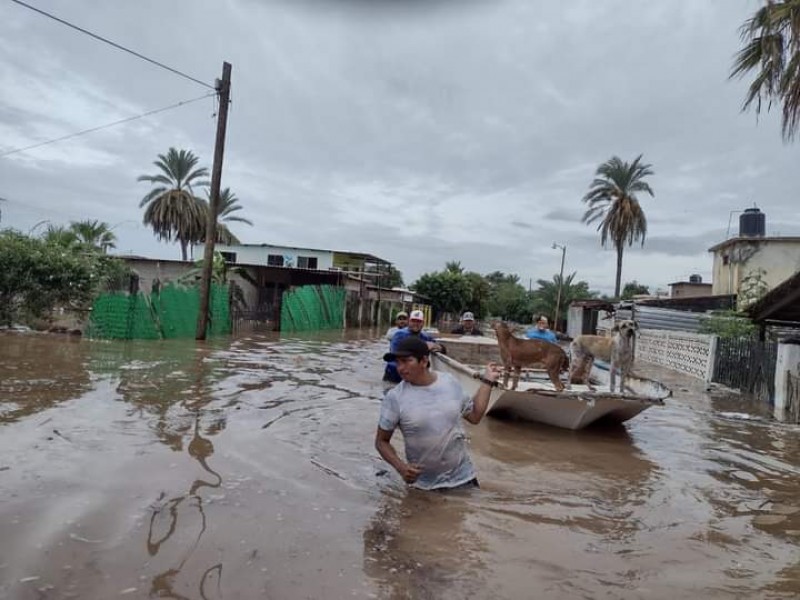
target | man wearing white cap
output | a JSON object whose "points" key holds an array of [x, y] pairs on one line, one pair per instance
{"points": [[467, 325], [415, 322]]}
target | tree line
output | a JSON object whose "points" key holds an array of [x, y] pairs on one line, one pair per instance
{"points": [[454, 290]]}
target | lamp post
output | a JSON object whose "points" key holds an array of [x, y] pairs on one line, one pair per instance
{"points": [[560, 283]]}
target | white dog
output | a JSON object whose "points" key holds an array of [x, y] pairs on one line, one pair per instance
{"points": [[623, 348], [618, 349]]}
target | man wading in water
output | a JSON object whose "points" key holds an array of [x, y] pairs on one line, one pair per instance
{"points": [[427, 406]]}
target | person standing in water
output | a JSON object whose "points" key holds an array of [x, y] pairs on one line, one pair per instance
{"points": [[427, 407]]}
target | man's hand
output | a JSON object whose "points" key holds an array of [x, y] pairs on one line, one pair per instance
{"points": [[492, 372], [409, 473], [434, 347]]}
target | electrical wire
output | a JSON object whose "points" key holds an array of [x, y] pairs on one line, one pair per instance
{"points": [[107, 125], [115, 45]]}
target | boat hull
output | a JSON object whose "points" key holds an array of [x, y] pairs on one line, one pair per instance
{"points": [[538, 401]]}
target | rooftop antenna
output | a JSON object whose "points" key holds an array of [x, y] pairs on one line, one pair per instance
{"points": [[730, 218]]}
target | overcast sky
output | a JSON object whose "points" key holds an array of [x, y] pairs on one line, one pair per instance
{"points": [[419, 131]]}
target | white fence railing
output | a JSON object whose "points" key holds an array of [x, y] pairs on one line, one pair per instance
{"points": [[690, 353]]}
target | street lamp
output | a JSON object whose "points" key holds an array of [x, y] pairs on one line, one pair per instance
{"points": [[560, 283]]}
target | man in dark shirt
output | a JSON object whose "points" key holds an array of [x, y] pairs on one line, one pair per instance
{"points": [[467, 326]]}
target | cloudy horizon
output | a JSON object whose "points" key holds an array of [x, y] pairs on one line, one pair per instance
{"points": [[418, 132]]}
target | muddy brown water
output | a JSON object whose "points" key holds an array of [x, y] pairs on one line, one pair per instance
{"points": [[245, 469]]}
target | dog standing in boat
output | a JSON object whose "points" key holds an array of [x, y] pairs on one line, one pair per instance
{"points": [[618, 349], [517, 353]]}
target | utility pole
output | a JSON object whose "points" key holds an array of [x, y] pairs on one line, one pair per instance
{"points": [[560, 283], [224, 91]]}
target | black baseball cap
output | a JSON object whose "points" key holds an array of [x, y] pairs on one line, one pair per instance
{"points": [[408, 346]]}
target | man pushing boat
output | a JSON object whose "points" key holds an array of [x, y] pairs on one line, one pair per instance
{"points": [[427, 406]]}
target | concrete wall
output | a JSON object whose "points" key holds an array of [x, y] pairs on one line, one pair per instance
{"points": [[779, 258], [787, 367], [690, 290], [689, 353], [257, 255]]}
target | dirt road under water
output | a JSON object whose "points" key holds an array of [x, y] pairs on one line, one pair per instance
{"points": [[245, 469]]}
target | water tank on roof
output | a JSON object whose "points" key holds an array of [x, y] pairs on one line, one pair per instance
{"points": [[695, 279], [752, 223]]}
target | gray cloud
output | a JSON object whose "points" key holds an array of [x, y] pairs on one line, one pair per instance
{"points": [[421, 132]]}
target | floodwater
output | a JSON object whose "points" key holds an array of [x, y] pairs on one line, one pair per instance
{"points": [[245, 469]]}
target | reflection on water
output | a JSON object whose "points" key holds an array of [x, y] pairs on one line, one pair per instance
{"points": [[245, 468]]}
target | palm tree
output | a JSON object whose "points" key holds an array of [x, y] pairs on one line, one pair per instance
{"points": [[771, 48], [545, 297], [612, 201], [57, 235], [173, 210], [228, 204], [94, 233]]}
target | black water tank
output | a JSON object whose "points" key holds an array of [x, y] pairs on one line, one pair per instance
{"points": [[752, 223], [695, 279]]}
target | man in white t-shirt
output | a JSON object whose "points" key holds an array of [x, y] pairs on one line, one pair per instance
{"points": [[427, 407]]}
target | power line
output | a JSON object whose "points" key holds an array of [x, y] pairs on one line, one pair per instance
{"points": [[106, 126], [115, 45]]}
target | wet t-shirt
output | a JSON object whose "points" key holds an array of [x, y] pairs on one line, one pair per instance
{"points": [[429, 417]]}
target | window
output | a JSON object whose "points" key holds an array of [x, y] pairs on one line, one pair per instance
{"points": [[306, 262], [725, 259], [229, 257], [275, 260]]}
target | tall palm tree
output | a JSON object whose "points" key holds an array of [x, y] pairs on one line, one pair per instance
{"points": [[613, 204], [771, 49], [172, 209], [94, 233]]}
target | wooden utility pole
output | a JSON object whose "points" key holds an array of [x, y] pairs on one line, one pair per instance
{"points": [[224, 91]]}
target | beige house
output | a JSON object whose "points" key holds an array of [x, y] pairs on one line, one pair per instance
{"points": [[770, 259], [690, 289]]}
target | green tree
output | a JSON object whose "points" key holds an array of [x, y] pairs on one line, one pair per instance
{"points": [[545, 296], [446, 290], [391, 277], [94, 234], [509, 301], [634, 288], [479, 294], [58, 235], [454, 266], [39, 275], [172, 209], [613, 204], [771, 51], [228, 206]]}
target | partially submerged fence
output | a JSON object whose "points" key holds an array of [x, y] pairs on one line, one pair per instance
{"points": [[690, 353], [748, 365], [170, 312]]}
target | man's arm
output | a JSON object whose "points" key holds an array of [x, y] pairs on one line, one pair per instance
{"points": [[383, 445], [480, 401]]}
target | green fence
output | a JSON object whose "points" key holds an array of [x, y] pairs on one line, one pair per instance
{"points": [[312, 308], [170, 313]]}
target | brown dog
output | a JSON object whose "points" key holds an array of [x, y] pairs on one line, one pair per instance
{"points": [[617, 349], [518, 353]]}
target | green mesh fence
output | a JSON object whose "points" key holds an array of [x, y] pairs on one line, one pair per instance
{"points": [[171, 313], [312, 308]]}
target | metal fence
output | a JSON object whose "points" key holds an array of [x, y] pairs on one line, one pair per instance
{"points": [[747, 365]]}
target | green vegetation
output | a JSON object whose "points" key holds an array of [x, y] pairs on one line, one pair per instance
{"points": [[65, 268], [771, 51], [613, 204], [728, 324], [174, 211], [497, 294], [634, 288]]}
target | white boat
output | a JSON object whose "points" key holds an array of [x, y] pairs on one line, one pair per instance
{"points": [[535, 398]]}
